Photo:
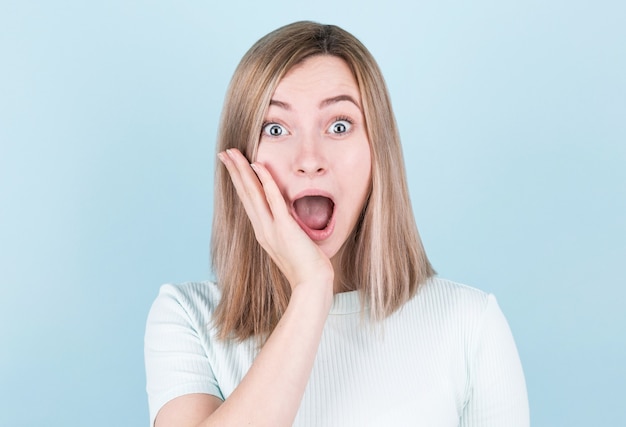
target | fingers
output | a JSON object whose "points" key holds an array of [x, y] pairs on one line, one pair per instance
{"points": [[248, 187], [256, 189], [273, 195]]}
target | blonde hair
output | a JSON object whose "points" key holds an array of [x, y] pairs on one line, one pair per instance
{"points": [[384, 256]]}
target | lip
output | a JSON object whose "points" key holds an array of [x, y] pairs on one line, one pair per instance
{"points": [[315, 235]]}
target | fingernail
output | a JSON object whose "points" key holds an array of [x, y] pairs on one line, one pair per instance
{"points": [[229, 152], [255, 168], [220, 156]]}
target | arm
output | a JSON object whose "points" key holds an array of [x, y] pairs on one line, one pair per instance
{"points": [[271, 391], [497, 395]]}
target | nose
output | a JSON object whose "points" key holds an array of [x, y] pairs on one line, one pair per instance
{"points": [[310, 159]]}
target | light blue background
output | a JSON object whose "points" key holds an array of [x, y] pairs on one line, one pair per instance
{"points": [[513, 119]]}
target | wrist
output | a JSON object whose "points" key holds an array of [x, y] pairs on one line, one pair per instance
{"points": [[317, 293]]}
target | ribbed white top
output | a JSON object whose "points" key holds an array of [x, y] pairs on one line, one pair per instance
{"points": [[447, 358]]}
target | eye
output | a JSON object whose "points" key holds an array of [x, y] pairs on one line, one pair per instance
{"points": [[274, 129], [340, 126]]}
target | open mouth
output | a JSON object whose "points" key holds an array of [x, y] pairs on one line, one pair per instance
{"points": [[314, 214]]}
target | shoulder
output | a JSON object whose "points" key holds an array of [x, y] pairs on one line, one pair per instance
{"points": [[451, 306], [192, 293], [446, 295], [194, 301]]}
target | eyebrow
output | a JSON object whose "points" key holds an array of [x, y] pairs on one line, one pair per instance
{"points": [[325, 103]]}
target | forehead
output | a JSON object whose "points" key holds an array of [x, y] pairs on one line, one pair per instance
{"points": [[318, 77]]}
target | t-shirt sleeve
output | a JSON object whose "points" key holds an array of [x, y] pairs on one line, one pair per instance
{"points": [[175, 358], [497, 395]]}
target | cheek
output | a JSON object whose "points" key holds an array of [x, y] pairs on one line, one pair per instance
{"points": [[359, 167]]}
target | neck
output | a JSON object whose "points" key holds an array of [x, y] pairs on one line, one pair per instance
{"points": [[340, 282]]}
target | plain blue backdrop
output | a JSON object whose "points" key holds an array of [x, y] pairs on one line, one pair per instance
{"points": [[513, 120]]}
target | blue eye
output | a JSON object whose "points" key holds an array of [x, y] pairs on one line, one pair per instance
{"points": [[340, 127], [274, 129]]}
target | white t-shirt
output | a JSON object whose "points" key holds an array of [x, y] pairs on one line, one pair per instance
{"points": [[446, 358]]}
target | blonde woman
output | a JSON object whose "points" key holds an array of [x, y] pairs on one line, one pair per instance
{"points": [[325, 311]]}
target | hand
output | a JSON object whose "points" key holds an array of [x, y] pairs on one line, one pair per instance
{"points": [[295, 254]]}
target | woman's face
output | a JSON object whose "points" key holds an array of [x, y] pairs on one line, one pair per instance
{"points": [[314, 143]]}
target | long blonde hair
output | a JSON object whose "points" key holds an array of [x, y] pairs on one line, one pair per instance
{"points": [[383, 257]]}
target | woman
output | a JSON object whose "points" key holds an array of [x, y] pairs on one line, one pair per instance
{"points": [[325, 311]]}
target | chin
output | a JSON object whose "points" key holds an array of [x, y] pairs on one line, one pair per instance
{"points": [[330, 249]]}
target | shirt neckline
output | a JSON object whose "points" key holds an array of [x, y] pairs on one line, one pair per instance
{"points": [[346, 303]]}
